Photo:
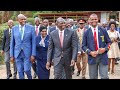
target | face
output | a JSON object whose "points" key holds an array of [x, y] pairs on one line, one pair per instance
{"points": [[37, 23], [68, 25], [45, 23], [81, 25], [61, 25], [10, 24], [22, 20], [43, 32], [94, 20], [89, 21], [112, 26]]}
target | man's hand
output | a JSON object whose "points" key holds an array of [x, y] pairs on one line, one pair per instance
{"points": [[93, 53], [48, 65], [72, 63], [2, 52], [32, 58], [12, 59], [101, 50]]}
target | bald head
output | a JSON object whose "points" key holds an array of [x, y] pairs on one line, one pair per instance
{"points": [[94, 19], [21, 16], [93, 15], [21, 19]]}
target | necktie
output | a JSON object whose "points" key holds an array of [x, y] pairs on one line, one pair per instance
{"points": [[21, 32], [10, 33], [61, 39], [36, 30], [95, 40]]}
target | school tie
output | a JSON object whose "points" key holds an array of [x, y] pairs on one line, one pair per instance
{"points": [[61, 39], [95, 40], [36, 30]]}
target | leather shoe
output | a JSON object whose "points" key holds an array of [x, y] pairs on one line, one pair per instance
{"points": [[14, 77], [78, 73], [83, 78], [8, 77]]}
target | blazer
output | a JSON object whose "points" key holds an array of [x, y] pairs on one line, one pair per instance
{"points": [[69, 50], [41, 52], [6, 41], [28, 44], [88, 44]]}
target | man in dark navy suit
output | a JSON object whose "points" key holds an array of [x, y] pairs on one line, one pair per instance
{"points": [[96, 44], [6, 50]]}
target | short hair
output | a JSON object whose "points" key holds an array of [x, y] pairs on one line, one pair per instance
{"points": [[112, 22], [42, 27], [60, 19], [46, 20], [37, 18]]}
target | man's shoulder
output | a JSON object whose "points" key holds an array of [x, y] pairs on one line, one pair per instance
{"points": [[16, 26], [28, 25]]}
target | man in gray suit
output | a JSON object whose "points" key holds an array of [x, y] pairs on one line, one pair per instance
{"points": [[64, 43]]}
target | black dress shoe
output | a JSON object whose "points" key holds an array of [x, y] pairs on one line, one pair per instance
{"points": [[8, 77], [78, 73], [14, 77], [83, 78]]}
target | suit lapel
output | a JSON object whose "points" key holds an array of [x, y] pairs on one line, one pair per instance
{"points": [[99, 34], [7, 33], [57, 37], [91, 37]]}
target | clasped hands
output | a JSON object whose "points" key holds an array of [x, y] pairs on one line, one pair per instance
{"points": [[95, 53]]}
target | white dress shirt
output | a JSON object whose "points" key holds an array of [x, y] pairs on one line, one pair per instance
{"points": [[96, 34]]}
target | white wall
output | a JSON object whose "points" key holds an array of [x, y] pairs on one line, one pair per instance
{"points": [[103, 17]]}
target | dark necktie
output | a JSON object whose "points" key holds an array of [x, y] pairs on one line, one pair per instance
{"points": [[10, 33]]}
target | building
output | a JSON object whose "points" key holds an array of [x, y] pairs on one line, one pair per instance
{"points": [[103, 16]]}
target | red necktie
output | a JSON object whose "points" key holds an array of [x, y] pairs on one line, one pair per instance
{"points": [[61, 40], [95, 40], [36, 30]]}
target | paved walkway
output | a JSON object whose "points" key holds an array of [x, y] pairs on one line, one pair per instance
{"points": [[115, 76]]}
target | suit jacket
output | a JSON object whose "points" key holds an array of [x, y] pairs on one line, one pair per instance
{"points": [[41, 52], [6, 41], [28, 44], [88, 44], [52, 28], [69, 50]]}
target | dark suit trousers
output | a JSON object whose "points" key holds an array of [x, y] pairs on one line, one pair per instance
{"points": [[58, 70]]}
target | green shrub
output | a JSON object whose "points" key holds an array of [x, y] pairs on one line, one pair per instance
{"points": [[31, 20], [1, 59]]}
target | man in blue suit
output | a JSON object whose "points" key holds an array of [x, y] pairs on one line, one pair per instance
{"points": [[23, 47], [96, 44]]}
